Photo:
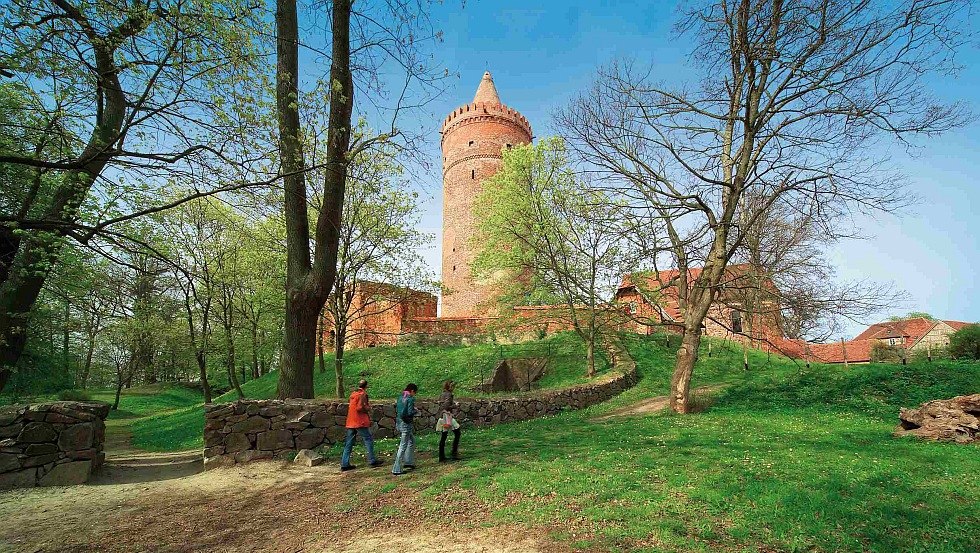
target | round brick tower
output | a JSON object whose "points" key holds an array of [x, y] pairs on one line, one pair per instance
{"points": [[473, 137]]}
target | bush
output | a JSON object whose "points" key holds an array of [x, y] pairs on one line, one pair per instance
{"points": [[965, 343], [74, 395], [883, 353]]}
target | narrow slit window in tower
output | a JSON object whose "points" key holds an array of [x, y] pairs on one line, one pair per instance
{"points": [[473, 174], [471, 142]]}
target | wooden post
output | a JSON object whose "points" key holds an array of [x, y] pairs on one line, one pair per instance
{"points": [[843, 349], [709, 348], [929, 351]]}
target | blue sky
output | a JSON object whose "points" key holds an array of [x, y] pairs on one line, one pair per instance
{"points": [[543, 53]]}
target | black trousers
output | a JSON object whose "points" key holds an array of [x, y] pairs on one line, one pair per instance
{"points": [[442, 444]]}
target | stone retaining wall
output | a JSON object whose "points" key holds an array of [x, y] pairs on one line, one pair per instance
{"points": [[249, 430], [51, 444]]}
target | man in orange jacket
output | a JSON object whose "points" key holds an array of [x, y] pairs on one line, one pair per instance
{"points": [[359, 422]]}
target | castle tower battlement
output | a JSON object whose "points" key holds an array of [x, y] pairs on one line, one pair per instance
{"points": [[474, 137]]}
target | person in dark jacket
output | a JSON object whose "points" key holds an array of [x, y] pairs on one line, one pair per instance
{"points": [[447, 421], [359, 422], [405, 413]]}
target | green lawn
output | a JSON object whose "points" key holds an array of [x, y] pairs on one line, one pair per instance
{"points": [[785, 460], [388, 369]]}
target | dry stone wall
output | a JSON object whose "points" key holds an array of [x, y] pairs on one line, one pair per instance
{"points": [[250, 430], [51, 444]]}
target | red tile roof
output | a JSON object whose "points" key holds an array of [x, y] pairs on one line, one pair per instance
{"points": [[855, 351], [958, 324], [911, 329]]}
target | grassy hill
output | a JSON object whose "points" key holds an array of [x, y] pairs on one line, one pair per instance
{"points": [[786, 459], [388, 370]]}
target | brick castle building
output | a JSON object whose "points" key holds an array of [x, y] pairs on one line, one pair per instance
{"points": [[474, 137]]}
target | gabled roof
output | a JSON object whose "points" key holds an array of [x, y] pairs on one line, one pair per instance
{"points": [[911, 329], [486, 93]]}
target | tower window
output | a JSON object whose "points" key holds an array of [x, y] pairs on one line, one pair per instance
{"points": [[509, 146], [472, 142], [473, 174], [454, 268]]}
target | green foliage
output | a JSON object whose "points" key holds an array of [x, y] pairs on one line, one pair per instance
{"points": [[912, 315], [965, 343], [884, 353]]}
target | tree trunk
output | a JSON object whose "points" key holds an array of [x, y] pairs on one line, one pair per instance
{"points": [[18, 294], [319, 345], [590, 355], [83, 381], [64, 344], [308, 285], [338, 366], [680, 383], [255, 350], [296, 381], [202, 365], [5, 377], [230, 363]]}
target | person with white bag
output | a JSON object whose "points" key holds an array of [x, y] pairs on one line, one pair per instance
{"points": [[447, 422]]}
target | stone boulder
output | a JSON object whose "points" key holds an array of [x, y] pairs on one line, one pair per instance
{"points": [[67, 474], [308, 458], [949, 420]]}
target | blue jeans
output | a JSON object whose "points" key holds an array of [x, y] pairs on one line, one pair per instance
{"points": [[406, 447], [349, 445]]}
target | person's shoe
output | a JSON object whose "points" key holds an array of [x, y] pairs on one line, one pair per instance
{"points": [[347, 468], [397, 473], [409, 467], [375, 464]]}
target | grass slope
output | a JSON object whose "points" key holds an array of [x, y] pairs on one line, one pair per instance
{"points": [[786, 460], [388, 370]]}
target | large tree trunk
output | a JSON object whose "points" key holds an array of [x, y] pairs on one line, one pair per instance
{"points": [[308, 285], [687, 356], [299, 348], [5, 375], [18, 294]]}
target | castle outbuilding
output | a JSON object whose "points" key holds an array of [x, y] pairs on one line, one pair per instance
{"points": [[474, 137]]}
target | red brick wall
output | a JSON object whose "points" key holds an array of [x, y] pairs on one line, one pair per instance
{"points": [[473, 137]]}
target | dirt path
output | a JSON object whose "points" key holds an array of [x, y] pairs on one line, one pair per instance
{"points": [[653, 404], [266, 506]]}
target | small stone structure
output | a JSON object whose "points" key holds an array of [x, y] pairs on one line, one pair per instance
{"points": [[51, 444], [250, 430], [516, 374], [948, 420]]}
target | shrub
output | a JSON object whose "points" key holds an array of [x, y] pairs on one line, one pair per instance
{"points": [[965, 343], [883, 353], [74, 395]]}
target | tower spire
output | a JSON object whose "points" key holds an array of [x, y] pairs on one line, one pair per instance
{"points": [[486, 92]]}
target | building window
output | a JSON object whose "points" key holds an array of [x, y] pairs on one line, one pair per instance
{"points": [[473, 174], [454, 268], [509, 146], [633, 307], [736, 321], [472, 142]]}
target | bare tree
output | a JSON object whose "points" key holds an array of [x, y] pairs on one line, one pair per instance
{"points": [[792, 99]]}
